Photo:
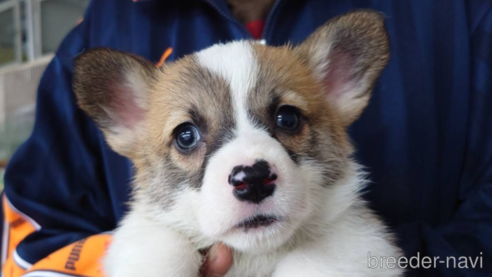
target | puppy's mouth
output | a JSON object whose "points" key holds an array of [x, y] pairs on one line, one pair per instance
{"points": [[257, 221]]}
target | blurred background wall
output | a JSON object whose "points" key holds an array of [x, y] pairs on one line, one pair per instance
{"points": [[30, 31]]}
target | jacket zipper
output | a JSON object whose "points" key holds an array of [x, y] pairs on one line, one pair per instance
{"points": [[246, 33], [268, 21], [230, 18]]}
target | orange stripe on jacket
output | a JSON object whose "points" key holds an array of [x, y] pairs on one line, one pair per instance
{"points": [[81, 258], [164, 57], [17, 227]]}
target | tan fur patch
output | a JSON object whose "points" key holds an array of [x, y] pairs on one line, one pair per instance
{"points": [[285, 80], [329, 78], [186, 93]]}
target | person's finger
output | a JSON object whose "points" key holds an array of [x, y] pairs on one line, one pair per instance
{"points": [[217, 262]]}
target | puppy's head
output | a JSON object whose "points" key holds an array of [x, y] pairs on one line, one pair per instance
{"points": [[239, 142]]}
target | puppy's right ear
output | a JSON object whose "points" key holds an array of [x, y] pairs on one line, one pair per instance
{"points": [[112, 87]]}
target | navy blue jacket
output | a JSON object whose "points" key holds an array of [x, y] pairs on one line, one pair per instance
{"points": [[426, 136]]}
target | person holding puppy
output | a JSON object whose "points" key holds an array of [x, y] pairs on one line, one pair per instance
{"points": [[426, 135]]}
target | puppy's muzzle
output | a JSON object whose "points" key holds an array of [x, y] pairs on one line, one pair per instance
{"points": [[253, 183]]}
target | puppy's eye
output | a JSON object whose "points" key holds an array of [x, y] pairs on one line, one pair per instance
{"points": [[187, 137], [288, 118]]}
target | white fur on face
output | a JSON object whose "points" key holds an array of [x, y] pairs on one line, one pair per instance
{"points": [[235, 63], [219, 212]]}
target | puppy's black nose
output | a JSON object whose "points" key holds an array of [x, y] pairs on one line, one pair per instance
{"points": [[253, 183]]}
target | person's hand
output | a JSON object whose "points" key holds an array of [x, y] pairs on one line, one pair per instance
{"points": [[217, 262]]}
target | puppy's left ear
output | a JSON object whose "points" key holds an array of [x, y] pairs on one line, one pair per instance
{"points": [[347, 55]]}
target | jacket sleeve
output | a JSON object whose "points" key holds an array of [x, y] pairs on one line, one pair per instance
{"points": [[56, 203], [463, 246]]}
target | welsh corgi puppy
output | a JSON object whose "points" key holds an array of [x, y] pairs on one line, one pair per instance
{"points": [[244, 144]]}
